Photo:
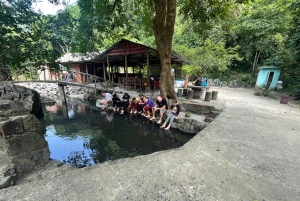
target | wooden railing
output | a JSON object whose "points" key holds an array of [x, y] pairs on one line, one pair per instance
{"points": [[31, 74]]}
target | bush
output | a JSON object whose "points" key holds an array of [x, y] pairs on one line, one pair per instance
{"points": [[187, 115]]}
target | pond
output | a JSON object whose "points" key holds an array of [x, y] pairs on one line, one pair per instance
{"points": [[82, 135]]}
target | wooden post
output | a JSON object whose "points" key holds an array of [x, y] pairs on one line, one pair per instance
{"points": [[126, 70], [44, 74], [208, 96], [214, 95], [108, 68], [141, 77], [148, 69], [17, 75], [104, 71], [55, 74]]}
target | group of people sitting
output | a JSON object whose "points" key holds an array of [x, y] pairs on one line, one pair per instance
{"points": [[143, 105]]}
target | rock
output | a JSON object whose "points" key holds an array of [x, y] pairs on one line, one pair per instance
{"points": [[7, 172], [22, 141]]}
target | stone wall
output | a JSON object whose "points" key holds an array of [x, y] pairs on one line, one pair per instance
{"points": [[50, 90], [22, 143], [189, 125], [26, 98], [197, 108]]}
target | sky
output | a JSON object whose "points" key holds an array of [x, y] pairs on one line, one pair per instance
{"points": [[48, 8]]}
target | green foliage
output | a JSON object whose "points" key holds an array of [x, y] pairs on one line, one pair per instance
{"points": [[261, 26], [102, 23], [188, 115], [21, 37], [209, 57], [291, 67], [61, 29]]}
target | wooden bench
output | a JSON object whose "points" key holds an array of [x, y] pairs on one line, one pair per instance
{"points": [[199, 91]]}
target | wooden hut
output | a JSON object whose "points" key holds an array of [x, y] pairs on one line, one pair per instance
{"points": [[122, 63]]}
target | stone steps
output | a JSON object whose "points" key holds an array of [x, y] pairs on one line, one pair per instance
{"points": [[7, 172]]}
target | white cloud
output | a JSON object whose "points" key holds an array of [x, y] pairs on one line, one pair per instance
{"points": [[47, 8]]}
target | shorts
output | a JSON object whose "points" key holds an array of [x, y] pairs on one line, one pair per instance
{"points": [[163, 111]]}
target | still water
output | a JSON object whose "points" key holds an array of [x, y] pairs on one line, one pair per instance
{"points": [[82, 135]]}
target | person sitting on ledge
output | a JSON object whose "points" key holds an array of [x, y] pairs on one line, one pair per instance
{"points": [[115, 101], [141, 104], [125, 102], [134, 104], [162, 106], [149, 105], [174, 113], [107, 100]]}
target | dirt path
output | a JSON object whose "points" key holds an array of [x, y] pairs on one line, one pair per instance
{"points": [[250, 152]]}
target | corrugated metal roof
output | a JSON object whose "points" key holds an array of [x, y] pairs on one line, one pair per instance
{"points": [[137, 55], [78, 57]]}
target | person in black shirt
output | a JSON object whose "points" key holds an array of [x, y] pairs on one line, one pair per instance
{"points": [[115, 101], [162, 106], [125, 102], [174, 113]]}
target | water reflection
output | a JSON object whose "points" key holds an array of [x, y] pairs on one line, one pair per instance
{"points": [[91, 136]]}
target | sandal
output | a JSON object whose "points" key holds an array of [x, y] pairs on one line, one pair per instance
{"points": [[158, 122], [153, 118], [162, 126]]}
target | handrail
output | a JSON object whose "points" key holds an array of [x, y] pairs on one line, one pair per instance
{"points": [[81, 78]]}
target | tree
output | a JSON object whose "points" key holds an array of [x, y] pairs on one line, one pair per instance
{"points": [[291, 68], [160, 15], [61, 29], [261, 32], [21, 38], [163, 28], [209, 58]]}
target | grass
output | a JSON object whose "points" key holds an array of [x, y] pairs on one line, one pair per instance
{"points": [[188, 115]]}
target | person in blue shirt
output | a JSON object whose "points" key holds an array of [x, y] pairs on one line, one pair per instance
{"points": [[149, 105]]}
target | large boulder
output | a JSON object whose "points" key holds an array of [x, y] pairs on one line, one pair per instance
{"points": [[23, 147]]}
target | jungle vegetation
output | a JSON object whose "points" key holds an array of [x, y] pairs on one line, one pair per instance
{"points": [[228, 40]]}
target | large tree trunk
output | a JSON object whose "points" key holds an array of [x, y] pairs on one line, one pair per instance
{"points": [[163, 27]]}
